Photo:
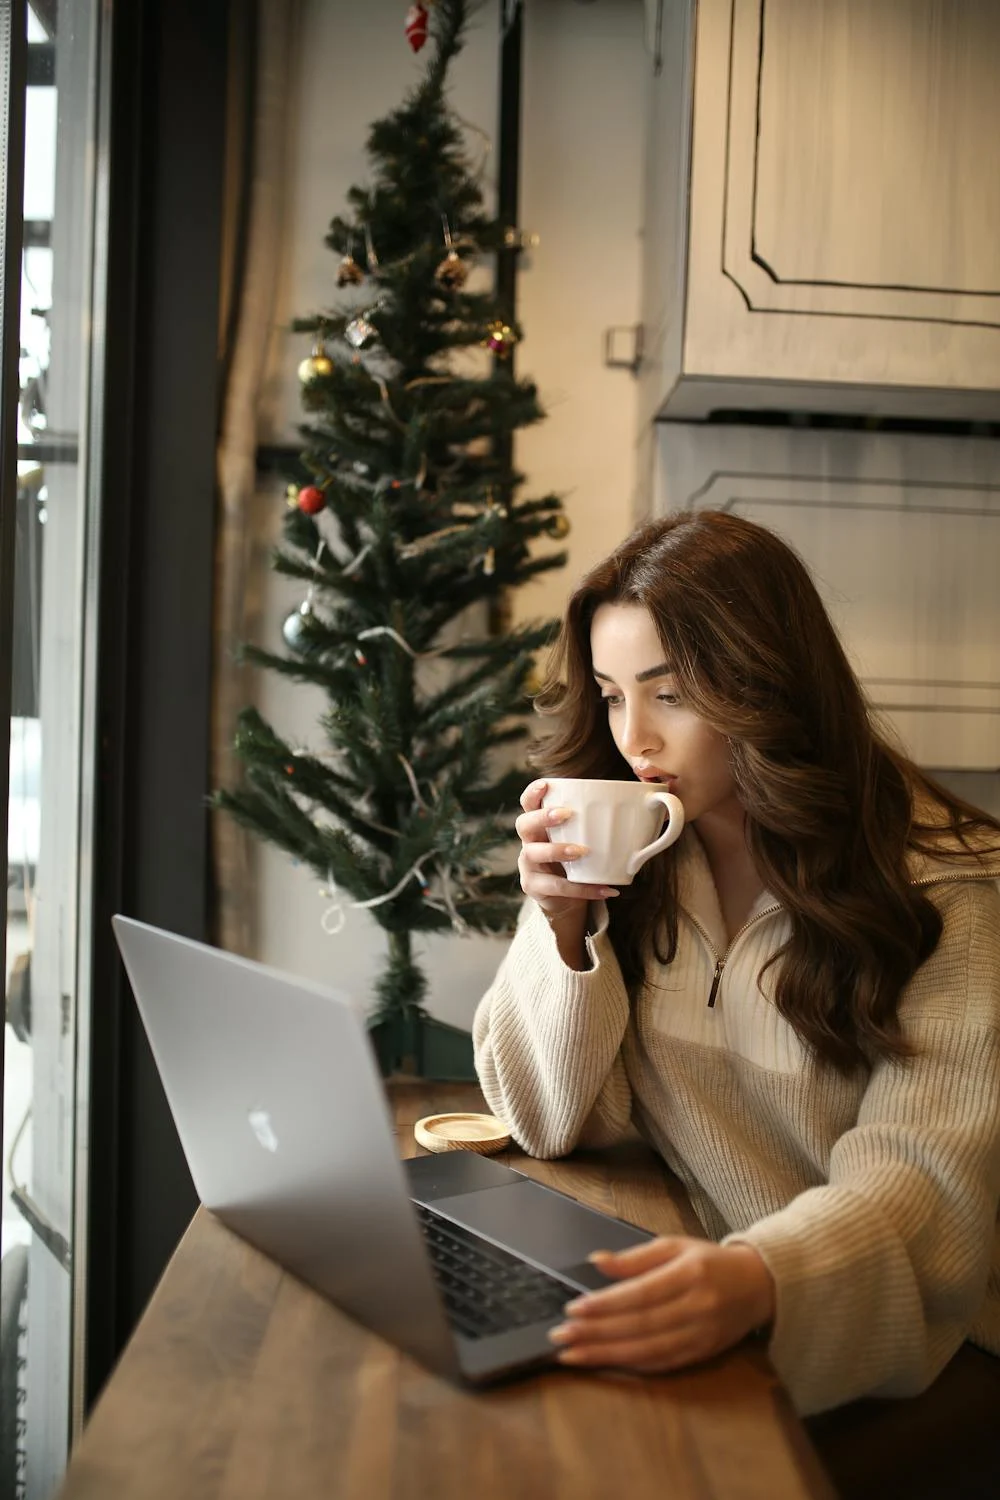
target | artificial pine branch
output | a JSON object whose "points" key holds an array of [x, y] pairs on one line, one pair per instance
{"points": [[405, 804]]}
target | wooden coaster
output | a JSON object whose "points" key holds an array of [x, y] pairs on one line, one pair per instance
{"points": [[460, 1132]]}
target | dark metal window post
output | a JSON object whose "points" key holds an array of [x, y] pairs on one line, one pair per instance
{"points": [[170, 63], [509, 148]]}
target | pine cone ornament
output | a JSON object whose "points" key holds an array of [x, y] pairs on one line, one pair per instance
{"points": [[452, 273], [349, 273]]}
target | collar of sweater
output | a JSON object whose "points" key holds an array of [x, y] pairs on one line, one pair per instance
{"points": [[979, 859], [697, 895]]}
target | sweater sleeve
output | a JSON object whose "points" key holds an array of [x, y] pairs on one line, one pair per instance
{"points": [[548, 1042], [880, 1273]]}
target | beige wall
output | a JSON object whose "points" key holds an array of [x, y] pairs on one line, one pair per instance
{"points": [[582, 188], [582, 149]]}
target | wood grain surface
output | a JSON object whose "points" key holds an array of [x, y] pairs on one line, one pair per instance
{"points": [[241, 1383]]}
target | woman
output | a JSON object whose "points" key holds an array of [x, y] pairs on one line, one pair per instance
{"points": [[798, 1003]]}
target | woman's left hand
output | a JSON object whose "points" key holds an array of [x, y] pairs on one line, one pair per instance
{"points": [[679, 1300]]}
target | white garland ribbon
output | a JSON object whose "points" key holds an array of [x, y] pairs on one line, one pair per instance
{"points": [[411, 778], [356, 561], [334, 918], [374, 630]]}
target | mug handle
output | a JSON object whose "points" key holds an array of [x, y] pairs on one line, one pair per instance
{"points": [[673, 830]]}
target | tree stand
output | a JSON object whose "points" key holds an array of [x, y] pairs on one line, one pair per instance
{"points": [[406, 1039], [419, 1045]]}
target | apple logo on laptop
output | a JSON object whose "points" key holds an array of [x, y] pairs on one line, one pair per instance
{"points": [[260, 1124]]}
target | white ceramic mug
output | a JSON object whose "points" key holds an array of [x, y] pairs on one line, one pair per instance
{"points": [[620, 823]]}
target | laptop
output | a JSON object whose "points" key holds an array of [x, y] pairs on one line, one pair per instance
{"points": [[282, 1114]]}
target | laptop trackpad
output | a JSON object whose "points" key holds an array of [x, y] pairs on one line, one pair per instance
{"points": [[547, 1227]]}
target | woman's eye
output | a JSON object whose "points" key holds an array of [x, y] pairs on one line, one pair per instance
{"points": [[668, 698], [611, 699]]}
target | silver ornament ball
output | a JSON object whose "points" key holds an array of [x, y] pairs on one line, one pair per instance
{"points": [[294, 629]]}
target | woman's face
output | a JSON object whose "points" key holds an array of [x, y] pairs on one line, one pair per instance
{"points": [[662, 739]]}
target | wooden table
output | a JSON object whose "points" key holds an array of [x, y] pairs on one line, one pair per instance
{"points": [[241, 1383]]}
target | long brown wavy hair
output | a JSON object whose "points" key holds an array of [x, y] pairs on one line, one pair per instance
{"points": [[832, 809]]}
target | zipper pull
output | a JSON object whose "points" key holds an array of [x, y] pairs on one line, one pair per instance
{"points": [[716, 977]]}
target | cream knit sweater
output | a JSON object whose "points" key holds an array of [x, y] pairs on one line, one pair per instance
{"points": [[874, 1202]]}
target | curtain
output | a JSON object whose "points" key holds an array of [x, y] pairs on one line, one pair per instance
{"points": [[265, 52]]}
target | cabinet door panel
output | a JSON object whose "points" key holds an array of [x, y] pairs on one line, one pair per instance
{"points": [[903, 538], [845, 208], [857, 136]]}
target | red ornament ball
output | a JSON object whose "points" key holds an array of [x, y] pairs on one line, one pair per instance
{"points": [[311, 499], [416, 26]]}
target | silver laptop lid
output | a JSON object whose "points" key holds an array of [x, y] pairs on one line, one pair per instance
{"points": [[283, 1119]]}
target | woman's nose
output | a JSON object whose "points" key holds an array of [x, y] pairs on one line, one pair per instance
{"points": [[639, 737]]}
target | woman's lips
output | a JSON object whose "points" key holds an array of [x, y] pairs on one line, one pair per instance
{"points": [[658, 778]]}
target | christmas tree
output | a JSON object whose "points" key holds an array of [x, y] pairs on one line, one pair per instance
{"points": [[406, 527]]}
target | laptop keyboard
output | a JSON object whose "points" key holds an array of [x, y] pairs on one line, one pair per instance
{"points": [[485, 1289]]}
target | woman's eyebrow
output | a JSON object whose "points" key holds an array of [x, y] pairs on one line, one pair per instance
{"points": [[663, 670]]}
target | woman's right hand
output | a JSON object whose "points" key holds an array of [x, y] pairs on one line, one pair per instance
{"points": [[541, 863]]}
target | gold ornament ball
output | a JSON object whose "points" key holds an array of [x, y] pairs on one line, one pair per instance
{"points": [[557, 526], [315, 368]]}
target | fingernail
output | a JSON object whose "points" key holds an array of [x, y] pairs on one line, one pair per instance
{"points": [[560, 814], [571, 1357], [575, 1305], [596, 1255], [561, 1335], [576, 851], [608, 891]]}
